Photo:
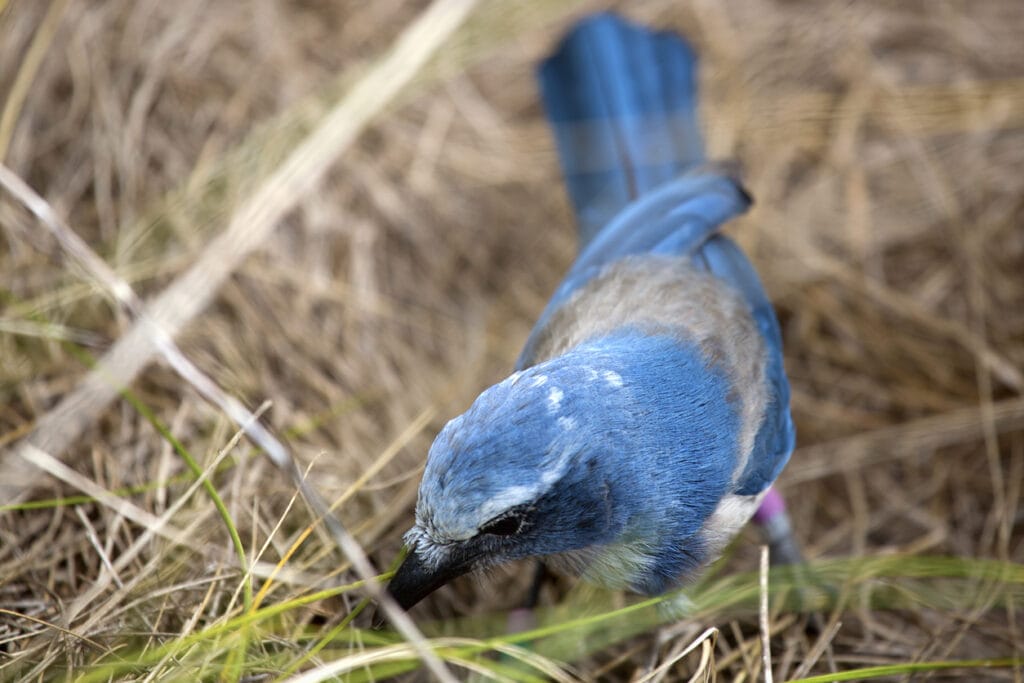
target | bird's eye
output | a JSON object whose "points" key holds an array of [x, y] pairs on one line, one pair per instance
{"points": [[507, 525]]}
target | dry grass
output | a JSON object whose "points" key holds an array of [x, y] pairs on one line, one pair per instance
{"points": [[394, 276]]}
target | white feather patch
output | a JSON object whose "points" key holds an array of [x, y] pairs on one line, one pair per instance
{"points": [[612, 378], [555, 397], [732, 513]]}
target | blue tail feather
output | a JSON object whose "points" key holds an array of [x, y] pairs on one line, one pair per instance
{"points": [[622, 103]]}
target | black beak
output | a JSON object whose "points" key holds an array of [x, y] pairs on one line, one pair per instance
{"points": [[415, 580]]}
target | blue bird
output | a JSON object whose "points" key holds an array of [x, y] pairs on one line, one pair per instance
{"points": [[648, 414]]}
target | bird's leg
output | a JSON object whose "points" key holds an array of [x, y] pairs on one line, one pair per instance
{"points": [[773, 519], [783, 549], [540, 577]]}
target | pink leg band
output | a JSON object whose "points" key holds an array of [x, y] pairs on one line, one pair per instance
{"points": [[771, 505]]}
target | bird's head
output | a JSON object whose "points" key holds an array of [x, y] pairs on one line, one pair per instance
{"points": [[517, 475]]}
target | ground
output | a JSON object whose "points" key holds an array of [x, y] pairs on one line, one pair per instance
{"points": [[396, 270]]}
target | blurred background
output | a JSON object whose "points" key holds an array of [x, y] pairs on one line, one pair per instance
{"points": [[883, 144]]}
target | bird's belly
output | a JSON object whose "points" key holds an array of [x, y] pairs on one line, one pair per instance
{"points": [[616, 566], [731, 515], [627, 565]]}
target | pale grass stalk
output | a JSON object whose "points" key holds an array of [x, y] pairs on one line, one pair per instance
{"points": [[812, 657], [546, 666], [293, 577], [766, 636], [479, 671], [403, 651], [390, 653], [278, 566], [706, 667], [72, 293], [709, 636], [94, 541], [156, 525], [37, 51], [47, 330], [57, 627]]}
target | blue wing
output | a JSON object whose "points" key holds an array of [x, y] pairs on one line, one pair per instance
{"points": [[621, 101], [776, 438]]}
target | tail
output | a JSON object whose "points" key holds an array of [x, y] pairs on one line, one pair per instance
{"points": [[622, 102]]}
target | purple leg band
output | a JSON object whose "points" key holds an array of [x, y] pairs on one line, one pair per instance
{"points": [[771, 505]]}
